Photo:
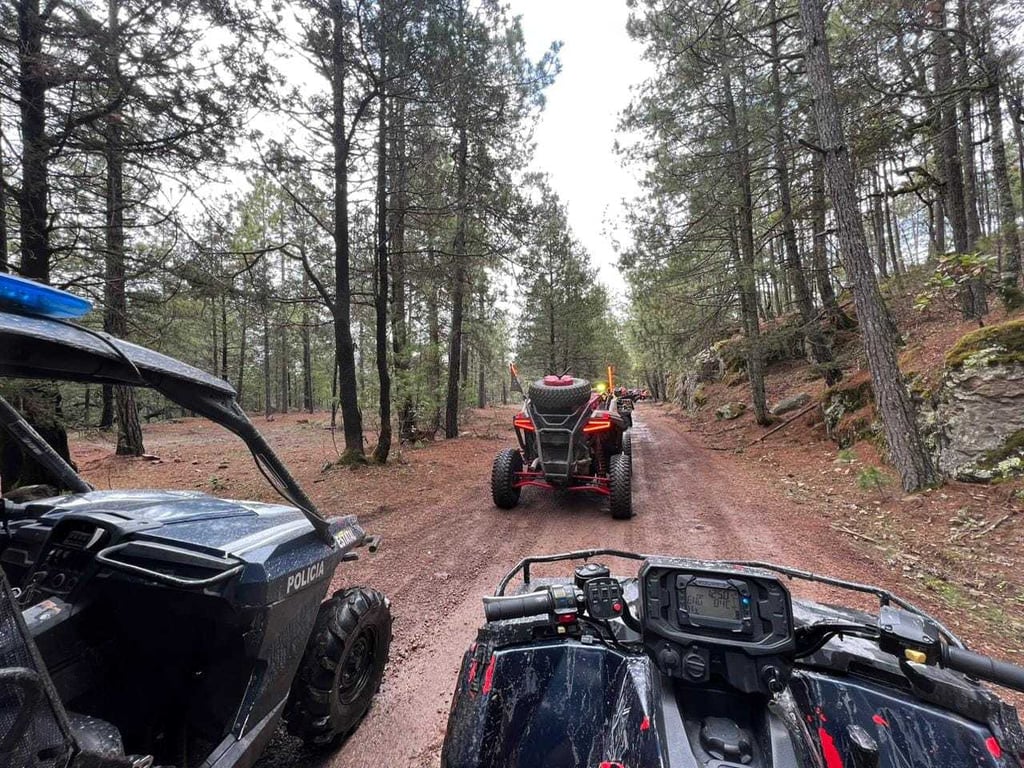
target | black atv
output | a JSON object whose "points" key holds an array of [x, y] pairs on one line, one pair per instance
{"points": [[697, 664], [168, 628], [570, 438]]}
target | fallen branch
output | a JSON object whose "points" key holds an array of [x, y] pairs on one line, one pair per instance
{"points": [[858, 535], [989, 528], [784, 424]]}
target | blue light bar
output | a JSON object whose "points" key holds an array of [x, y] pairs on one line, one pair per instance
{"points": [[31, 298]]}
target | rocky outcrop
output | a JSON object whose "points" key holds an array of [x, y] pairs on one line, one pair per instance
{"points": [[689, 391], [977, 415]]}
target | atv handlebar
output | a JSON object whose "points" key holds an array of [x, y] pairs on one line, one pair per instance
{"points": [[518, 606], [983, 667]]}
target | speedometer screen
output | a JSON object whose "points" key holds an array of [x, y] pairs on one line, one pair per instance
{"points": [[713, 603]]}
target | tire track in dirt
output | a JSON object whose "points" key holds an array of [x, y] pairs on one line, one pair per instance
{"points": [[437, 561]]}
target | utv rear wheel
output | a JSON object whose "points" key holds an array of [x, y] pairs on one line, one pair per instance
{"points": [[342, 667], [503, 478], [627, 443], [559, 399], [620, 477]]}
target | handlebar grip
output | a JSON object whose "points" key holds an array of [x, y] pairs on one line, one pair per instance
{"points": [[983, 667], [518, 606]]}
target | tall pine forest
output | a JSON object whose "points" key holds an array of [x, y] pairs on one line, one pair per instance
{"points": [[331, 203]]}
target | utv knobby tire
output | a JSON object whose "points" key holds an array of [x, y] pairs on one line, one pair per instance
{"points": [[565, 399], [620, 480], [503, 478], [342, 667], [627, 442]]}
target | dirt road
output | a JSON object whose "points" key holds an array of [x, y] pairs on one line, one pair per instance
{"points": [[438, 559]]}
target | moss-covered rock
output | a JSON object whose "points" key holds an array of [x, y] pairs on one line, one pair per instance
{"points": [[978, 416], [730, 411], [994, 345], [1008, 458], [699, 397], [845, 407]]}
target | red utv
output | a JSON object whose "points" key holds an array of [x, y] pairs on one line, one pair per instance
{"points": [[570, 438]]}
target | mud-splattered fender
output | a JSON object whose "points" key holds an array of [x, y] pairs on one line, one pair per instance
{"points": [[556, 703]]}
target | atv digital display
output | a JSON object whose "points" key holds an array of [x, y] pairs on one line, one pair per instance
{"points": [[713, 603]]}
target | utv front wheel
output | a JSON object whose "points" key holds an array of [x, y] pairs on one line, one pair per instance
{"points": [[503, 478], [620, 477], [342, 667]]}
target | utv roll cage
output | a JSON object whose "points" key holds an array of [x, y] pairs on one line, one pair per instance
{"points": [[46, 348]]}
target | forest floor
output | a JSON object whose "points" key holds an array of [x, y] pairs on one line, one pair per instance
{"points": [[446, 545]]}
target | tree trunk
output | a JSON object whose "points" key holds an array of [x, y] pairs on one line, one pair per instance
{"points": [[892, 227], [1016, 105], [938, 212], [224, 336], [242, 346], [434, 337], [820, 351], [451, 423], [878, 227], [342, 310], [397, 212], [1010, 279], [106, 407], [906, 449], [4, 258], [747, 279], [115, 316], [32, 202], [283, 393], [819, 252], [381, 294], [307, 347], [947, 160], [268, 394], [967, 131]]}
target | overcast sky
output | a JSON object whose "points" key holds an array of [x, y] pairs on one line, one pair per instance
{"points": [[578, 127]]}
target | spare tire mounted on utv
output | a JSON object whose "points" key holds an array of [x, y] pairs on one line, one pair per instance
{"points": [[570, 438]]}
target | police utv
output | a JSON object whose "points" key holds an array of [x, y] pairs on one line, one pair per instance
{"points": [[165, 628]]}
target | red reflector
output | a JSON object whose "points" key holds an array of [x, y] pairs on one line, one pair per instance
{"points": [[611, 764], [993, 747], [489, 675], [616, 607], [521, 422], [645, 724], [567, 618]]}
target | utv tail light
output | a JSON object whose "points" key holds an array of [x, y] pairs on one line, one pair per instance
{"points": [[523, 422], [597, 425]]}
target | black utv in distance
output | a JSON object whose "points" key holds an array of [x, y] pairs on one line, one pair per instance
{"points": [[169, 628]]}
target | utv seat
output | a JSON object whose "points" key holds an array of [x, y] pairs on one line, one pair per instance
{"points": [[35, 729]]}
